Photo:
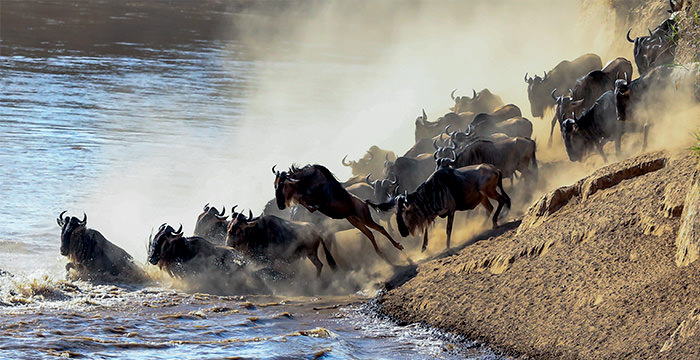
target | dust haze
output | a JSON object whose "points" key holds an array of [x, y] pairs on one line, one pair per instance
{"points": [[334, 78]]}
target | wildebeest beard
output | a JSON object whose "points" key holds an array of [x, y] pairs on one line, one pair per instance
{"points": [[425, 204]]}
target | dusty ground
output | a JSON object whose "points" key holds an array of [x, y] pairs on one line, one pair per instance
{"points": [[588, 273]]}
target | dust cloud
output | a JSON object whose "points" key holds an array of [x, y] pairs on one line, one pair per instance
{"points": [[334, 78]]}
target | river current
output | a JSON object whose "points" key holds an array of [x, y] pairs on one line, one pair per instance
{"points": [[145, 126]]}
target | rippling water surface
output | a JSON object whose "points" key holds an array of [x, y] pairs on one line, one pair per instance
{"points": [[136, 133]]}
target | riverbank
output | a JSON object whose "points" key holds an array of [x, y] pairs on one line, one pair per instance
{"points": [[592, 271]]}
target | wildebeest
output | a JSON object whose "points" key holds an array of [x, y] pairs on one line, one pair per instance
{"points": [[445, 192], [588, 89], [423, 146], [316, 188], [270, 239], [562, 76], [371, 163], [484, 125], [508, 155], [91, 254], [593, 129], [211, 224], [409, 172], [181, 256], [428, 130], [482, 102], [658, 48]]}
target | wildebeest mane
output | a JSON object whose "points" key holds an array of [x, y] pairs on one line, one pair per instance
{"points": [[430, 197]]}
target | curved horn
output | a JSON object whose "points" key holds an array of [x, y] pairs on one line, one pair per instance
{"points": [[367, 179], [396, 181], [425, 117], [553, 91], [59, 219], [526, 77], [650, 34], [435, 154], [435, 144], [447, 128], [343, 161], [628, 36], [470, 128], [473, 94], [206, 207], [273, 170], [250, 214], [179, 231], [84, 221], [233, 210], [454, 155], [223, 210], [545, 75], [452, 94]]}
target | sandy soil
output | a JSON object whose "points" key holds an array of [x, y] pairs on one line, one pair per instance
{"points": [[589, 272]]}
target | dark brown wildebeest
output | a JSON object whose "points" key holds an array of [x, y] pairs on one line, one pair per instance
{"points": [[409, 172], [270, 239], [484, 126], [211, 224], [563, 76], [92, 255], [658, 48], [371, 163], [588, 89], [482, 102], [445, 192], [428, 130], [316, 188]]}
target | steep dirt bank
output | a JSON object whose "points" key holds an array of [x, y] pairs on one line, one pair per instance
{"points": [[589, 273]]}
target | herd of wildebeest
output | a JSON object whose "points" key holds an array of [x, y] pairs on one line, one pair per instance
{"points": [[458, 162]]}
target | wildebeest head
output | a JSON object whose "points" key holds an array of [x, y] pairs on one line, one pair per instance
{"points": [[383, 189], [283, 190], [575, 145], [622, 96], [235, 234], [537, 94], [210, 220], [483, 101], [566, 105], [71, 228], [408, 215], [165, 234]]}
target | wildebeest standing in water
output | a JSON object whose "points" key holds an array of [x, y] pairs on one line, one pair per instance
{"points": [[217, 268], [92, 255], [445, 192], [271, 239], [316, 188], [211, 224], [563, 76]]}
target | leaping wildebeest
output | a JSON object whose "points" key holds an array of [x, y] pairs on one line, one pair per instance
{"points": [[91, 254], [562, 76], [445, 192], [316, 188], [270, 239]]}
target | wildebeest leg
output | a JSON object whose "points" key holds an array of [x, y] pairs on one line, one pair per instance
{"points": [[313, 256], [450, 220], [599, 146], [487, 204], [373, 225], [551, 130], [356, 222], [425, 240]]}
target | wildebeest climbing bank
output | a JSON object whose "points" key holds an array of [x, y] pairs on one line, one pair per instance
{"points": [[350, 180]]}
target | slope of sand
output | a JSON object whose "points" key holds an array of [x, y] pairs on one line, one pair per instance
{"points": [[588, 273]]}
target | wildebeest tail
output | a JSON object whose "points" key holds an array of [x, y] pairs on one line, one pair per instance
{"points": [[329, 257], [383, 206], [503, 192]]}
